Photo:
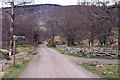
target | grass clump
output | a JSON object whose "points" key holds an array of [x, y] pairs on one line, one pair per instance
{"points": [[34, 53], [26, 57], [103, 70], [15, 71]]}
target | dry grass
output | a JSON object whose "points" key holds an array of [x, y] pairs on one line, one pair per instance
{"points": [[103, 70]]}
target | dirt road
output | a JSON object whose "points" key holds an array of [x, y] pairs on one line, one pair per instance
{"points": [[49, 63]]}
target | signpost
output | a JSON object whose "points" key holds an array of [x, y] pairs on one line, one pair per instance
{"points": [[20, 37], [14, 40]]}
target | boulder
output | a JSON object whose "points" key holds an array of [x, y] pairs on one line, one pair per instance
{"points": [[5, 53], [2, 74], [110, 72]]}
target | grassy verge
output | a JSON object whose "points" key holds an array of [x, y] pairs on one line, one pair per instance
{"points": [[77, 55], [14, 72], [27, 49], [108, 71]]}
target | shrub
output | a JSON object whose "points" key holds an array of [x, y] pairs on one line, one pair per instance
{"points": [[39, 42], [82, 43], [34, 53], [51, 44]]}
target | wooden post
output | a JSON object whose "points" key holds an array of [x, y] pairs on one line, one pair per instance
{"points": [[14, 39]]}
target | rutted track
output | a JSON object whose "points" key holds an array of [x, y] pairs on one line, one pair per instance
{"points": [[49, 63]]}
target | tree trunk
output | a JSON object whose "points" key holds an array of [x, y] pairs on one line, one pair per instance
{"points": [[119, 30], [89, 43], [92, 40], [105, 44], [12, 28], [119, 36], [0, 29], [72, 42]]}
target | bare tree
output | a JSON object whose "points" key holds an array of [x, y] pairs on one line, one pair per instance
{"points": [[100, 16], [14, 4], [0, 29]]}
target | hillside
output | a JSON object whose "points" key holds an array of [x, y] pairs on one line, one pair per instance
{"points": [[39, 11]]}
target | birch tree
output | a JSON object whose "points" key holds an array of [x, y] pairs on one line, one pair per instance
{"points": [[13, 4]]}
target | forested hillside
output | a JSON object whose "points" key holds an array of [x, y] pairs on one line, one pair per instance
{"points": [[73, 23]]}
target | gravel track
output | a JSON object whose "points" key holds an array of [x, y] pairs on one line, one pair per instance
{"points": [[49, 63]]}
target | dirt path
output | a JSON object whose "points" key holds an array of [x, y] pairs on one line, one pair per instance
{"points": [[49, 63]]}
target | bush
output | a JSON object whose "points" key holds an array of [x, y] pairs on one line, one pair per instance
{"points": [[34, 53], [51, 44], [82, 43], [39, 42]]}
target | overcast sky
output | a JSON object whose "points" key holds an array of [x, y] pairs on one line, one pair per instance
{"points": [[60, 2]]}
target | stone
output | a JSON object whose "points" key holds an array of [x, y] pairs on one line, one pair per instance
{"points": [[103, 72], [19, 63], [2, 74], [110, 72], [100, 65], [5, 53]]}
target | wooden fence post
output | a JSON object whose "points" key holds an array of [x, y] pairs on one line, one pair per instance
{"points": [[14, 39]]}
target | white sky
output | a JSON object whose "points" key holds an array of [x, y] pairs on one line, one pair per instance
{"points": [[60, 2]]}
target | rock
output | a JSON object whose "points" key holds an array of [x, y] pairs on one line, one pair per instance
{"points": [[5, 53], [2, 74], [110, 72], [21, 53], [103, 72], [19, 63], [101, 65]]}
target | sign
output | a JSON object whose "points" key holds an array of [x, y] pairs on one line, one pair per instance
{"points": [[20, 36], [14, 39]]}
